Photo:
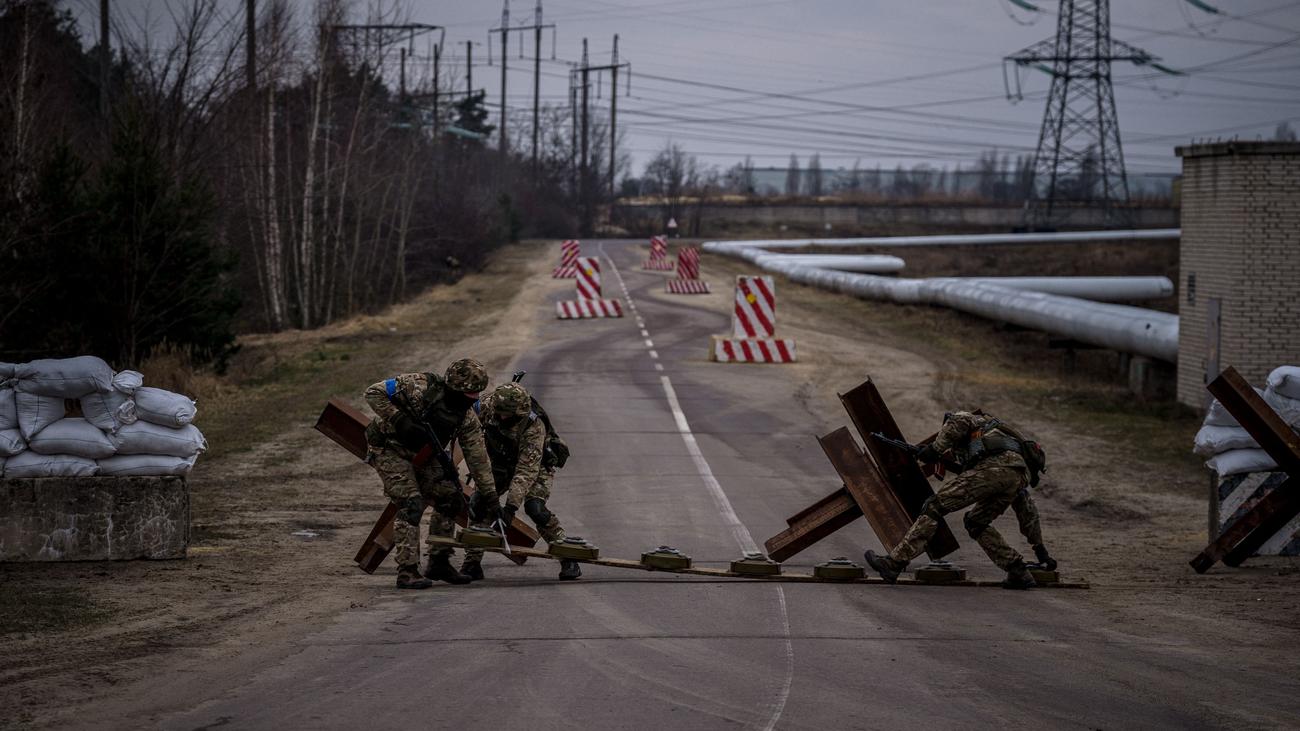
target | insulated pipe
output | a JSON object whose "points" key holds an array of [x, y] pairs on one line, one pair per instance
{"points": [[1063, 237], [1097, 289], [870, 263], [1118, 327]]}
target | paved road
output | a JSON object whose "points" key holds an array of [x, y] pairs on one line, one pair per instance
{"points": [[670, 449]]}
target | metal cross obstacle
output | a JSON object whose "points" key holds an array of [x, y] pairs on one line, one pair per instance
{"points": [[590, 303], [884, 484], [1273, 511], [568, 268], [347, 427], [753, 327]]}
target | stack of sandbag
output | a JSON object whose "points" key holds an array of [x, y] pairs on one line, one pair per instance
{"points": [[1229, 447], [75, 417]]}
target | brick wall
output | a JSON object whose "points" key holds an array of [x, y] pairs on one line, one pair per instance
{"points": [[1241, 247]]}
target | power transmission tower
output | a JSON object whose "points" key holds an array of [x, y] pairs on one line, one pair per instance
{"points": [[1079, 160]]}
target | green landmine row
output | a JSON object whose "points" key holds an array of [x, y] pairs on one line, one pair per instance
{"points": [[752, 566]]}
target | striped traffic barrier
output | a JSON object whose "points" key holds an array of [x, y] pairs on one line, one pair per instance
{"points": [[1238, 493], [658, 261], [753, 327], [568, 268], [688, 274], [589, 303]]}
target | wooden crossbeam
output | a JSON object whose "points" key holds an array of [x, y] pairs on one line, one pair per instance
{"points": [[889, 495], [1244, 537], [347, 427], [622, 563]]}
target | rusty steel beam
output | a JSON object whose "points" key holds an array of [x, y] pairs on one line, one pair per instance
{"points": [[867, 486], [870, 414], [812, 524], [1244, 537], [347, 427]]}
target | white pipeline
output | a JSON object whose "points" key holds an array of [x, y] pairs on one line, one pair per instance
{"points": [[869, 263], [1097, 289], [1118, 327], [1062, 237]]}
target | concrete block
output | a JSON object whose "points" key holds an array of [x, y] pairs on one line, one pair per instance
{"points": [[94, 518]]}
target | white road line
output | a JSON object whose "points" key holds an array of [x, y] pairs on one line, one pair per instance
{"points": [[659, 366], [644, 332], [648, 342], [738, 529]]}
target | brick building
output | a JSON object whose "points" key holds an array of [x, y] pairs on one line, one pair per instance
{"points": [[1239, 262]]}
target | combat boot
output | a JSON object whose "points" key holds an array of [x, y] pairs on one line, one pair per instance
{"points": [[1018, 577], [440, 569], [408, 577], [569, 569], [473, 569], [886, 566]]}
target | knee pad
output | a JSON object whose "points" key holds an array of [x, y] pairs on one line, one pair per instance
{"points": [[973, 527], [410, 510], [931, 508], [535, 507]]}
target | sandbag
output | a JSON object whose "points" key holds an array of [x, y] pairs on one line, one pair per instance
{"points": [[146, 464], [37, 412], [144, 437], [1284, 380], [64, 377], [7, 371], [11, 442], [74, 436], [1212, 440], [1239, 461], [1287, 408], [128, 381], [108, 411], [8, 409], [31, 464], [164, 408]]}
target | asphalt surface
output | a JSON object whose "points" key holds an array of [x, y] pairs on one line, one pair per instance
{"points": [[623, 649]]}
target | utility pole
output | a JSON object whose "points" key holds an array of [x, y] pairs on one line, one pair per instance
{"points": [[586, 70], [437, 56], [613, 115], [469, 67], [105, 60], [1079, 160], [573, 146], [250, 48], [537, 27]]}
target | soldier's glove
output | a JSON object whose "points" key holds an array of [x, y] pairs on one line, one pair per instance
{"points": [[508, 513], [1044, 558], [408, 433], [927, 454]]}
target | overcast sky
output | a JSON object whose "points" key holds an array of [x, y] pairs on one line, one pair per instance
{"points": [[884, 81]]}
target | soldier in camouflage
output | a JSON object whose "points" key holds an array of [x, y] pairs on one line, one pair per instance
{"points": [[523, 472], [412, 410], [995, 477]]}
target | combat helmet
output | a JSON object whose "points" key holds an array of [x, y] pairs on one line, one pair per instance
{"points": [[511, 399], [467, 376]]}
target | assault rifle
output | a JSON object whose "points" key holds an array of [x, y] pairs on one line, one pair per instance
{"points": [[434, 448], [912, 450]]}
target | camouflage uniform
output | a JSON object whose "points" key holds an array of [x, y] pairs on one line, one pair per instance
{"points": [[991, 485], [517, 449], [411, 485]]}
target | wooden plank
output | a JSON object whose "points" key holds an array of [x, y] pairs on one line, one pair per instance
{"points": [[1252, 530], [869, 414], [1259, 420], [867, 487], [812, 524], [621, 563]]}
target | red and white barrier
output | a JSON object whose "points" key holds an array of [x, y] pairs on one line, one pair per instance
{"points": [[584, 309], [568, 268], [589, 302], [688, 274], [686, 286], [658, 261], [752, 350], [753, 327]]}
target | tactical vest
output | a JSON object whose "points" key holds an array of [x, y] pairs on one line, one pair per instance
{"points": [[502, 447], [440, 417]]}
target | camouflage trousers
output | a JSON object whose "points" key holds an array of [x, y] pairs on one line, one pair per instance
{"points": [[991, 491], [410, 488], [550, 527]]}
